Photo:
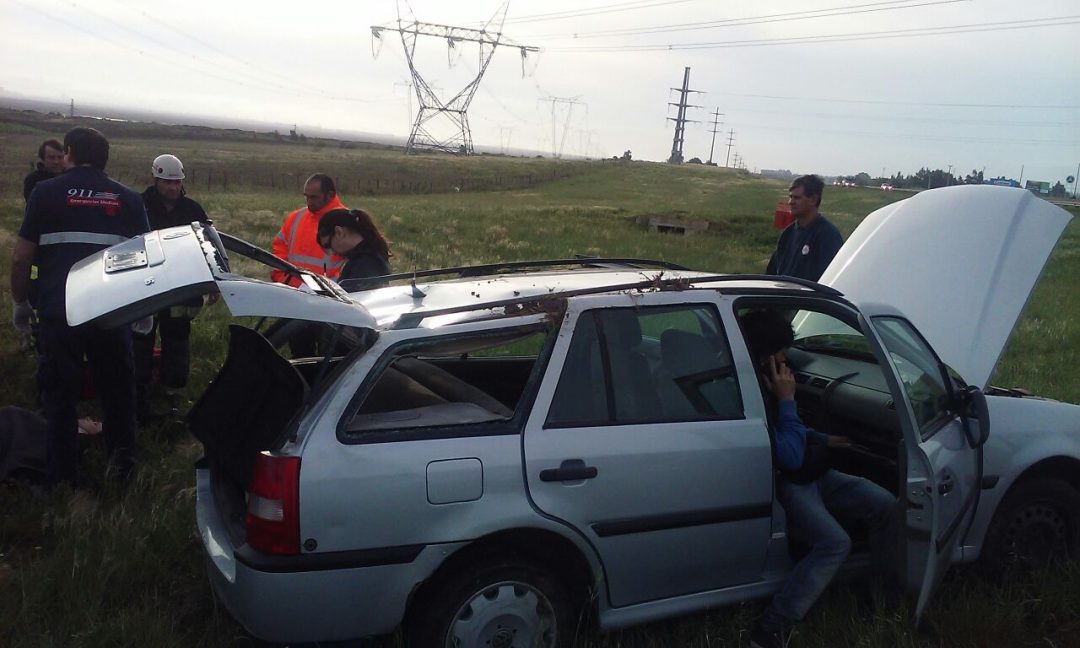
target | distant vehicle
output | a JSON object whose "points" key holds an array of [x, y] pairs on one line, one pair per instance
{"points": [[886, 187], [482, 458]]}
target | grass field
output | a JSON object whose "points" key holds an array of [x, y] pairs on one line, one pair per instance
{"points": [[125, 569]]}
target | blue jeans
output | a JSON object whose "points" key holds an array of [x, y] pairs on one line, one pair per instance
{"points": [[812, 511]]}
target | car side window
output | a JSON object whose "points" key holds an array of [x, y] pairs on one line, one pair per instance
{"points": [[460, 380], [919, 371], [640, 365]]}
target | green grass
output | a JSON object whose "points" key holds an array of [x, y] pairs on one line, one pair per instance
{"points": [[125, 569]]}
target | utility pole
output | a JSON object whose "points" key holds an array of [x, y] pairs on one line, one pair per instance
{"points": [[71, 109], [1075, 178], [716, 117], [557, 143], [505, 148], [730, 142], [489, 38], [681, 120]]}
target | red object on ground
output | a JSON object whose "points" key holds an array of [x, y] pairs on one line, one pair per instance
{"points": [[782, 216]]}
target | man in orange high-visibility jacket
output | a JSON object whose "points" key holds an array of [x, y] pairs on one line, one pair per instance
{"points": [[297, 243]]}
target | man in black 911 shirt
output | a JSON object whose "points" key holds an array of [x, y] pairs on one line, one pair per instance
{"points": [[167, 205], [68, 218]]}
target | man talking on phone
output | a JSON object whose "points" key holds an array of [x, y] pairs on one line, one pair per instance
{"points": [[814, 496]]}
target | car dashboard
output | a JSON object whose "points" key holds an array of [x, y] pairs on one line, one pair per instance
{"points": [[843, 395]]}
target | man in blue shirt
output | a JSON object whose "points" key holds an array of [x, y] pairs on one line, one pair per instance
{"points": [[67, 218], [807, 246], [813, 495]]}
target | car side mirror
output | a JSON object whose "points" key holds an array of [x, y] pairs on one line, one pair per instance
{"points": [[972, 405]]}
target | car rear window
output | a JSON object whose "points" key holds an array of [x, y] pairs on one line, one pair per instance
{"points": [[449, 381]]}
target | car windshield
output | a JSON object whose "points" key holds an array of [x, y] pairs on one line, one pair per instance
{"points": [[825, 334]]}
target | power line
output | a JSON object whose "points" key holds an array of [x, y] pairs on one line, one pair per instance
{"points": [[266, 73], [201, 66], [806, 14], [593, 11], [916, 137], [897, 103], [835, 38], [899, 118], [142, 52]]}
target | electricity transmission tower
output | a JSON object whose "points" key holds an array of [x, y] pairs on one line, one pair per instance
{"points": [[715, 122], [557, 149], [730, 142], [455, 110], [681, 120]]}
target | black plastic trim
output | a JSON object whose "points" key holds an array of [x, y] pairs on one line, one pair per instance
{"points": [[325, 561], [990, 481], [627, 526]]}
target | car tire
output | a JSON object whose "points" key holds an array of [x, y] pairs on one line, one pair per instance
{"points": [[1037, 523], [503, 602]]}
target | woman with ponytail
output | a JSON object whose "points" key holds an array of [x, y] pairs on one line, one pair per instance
{"points": [[353, 234]]}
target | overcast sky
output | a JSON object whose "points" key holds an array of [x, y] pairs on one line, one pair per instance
{"points": [[827, 86]]}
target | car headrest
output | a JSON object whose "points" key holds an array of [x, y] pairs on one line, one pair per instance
{"points": [[621, 329], [687, 353]]}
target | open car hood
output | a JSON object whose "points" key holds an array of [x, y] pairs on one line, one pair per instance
{"points": [[959, 262], [148, 273]]}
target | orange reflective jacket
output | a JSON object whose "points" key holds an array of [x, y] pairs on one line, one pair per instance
{"points": [[296, 244]]}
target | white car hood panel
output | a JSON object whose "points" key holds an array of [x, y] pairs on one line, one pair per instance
{"points": [[959, 262]]}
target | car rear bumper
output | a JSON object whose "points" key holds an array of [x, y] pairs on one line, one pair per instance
{"points": [[302, 600]]}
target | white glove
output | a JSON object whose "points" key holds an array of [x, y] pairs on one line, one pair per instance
{"points": [[21, 315], [144, 325]]}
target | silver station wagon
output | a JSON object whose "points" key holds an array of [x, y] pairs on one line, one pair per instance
{"points": [[488, 455]]}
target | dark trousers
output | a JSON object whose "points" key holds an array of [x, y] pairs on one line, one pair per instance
{"points": [[60, 369], [175, 333]]}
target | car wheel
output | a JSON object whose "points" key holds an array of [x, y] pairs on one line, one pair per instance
{"points": [[498, 603], [1038, 522]]}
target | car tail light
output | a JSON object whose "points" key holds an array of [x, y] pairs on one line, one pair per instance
{"points": [[273, 514]]}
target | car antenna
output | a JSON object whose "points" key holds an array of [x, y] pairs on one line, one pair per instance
{"points": [[416, 292]]}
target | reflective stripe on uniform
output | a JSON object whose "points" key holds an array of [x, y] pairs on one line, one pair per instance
{"points": [[330, 265], [300, 258], [95, 238], [292, 232]]}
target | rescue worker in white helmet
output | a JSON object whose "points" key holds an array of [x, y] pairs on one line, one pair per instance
{"points": [[167, 205]]}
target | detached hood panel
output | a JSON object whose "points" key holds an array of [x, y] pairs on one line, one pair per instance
{"points": [[959, 262]]}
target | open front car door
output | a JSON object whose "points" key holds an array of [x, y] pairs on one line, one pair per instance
{"points": [[945, 424]]}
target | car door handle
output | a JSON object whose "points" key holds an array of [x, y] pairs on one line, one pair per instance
{"points": [[945, 487], [569, 470]]}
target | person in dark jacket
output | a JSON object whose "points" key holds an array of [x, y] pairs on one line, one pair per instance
{"points": [[50, 164], [354, 235], [167, 205], [78, 213], [807, 246]]}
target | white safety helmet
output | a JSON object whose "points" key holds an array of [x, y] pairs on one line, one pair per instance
{"points": [[168, 167]]}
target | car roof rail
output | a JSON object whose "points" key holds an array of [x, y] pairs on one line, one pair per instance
{"points": [[413, 319], [486, 269]]}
